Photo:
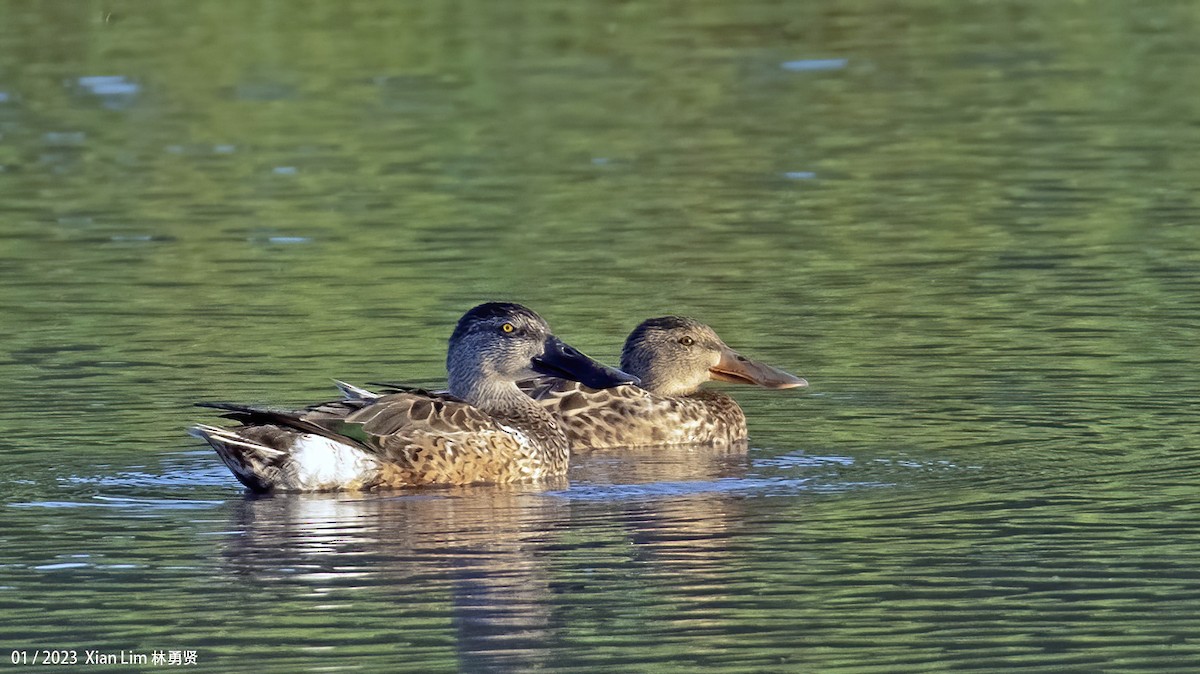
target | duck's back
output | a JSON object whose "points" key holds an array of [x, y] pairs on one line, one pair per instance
{"points": [[628, 416], [403, 439], [424, 438]]}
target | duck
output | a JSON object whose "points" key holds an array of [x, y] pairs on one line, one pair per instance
{"points": [[484, 429], [672, 356]]}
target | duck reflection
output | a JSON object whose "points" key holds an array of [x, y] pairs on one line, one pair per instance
{"points": [[512, 569], [478, 545], [673, 501], [698, 465]]}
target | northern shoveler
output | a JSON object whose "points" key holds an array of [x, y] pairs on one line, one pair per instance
{"points": [[672, 356], [483, 430]]}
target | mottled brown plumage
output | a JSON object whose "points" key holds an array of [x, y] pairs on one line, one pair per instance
{"points": [[486, 430], [673, 356], [629, 416]]}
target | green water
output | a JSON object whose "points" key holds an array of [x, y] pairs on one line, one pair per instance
{"points": [[972, 226]]}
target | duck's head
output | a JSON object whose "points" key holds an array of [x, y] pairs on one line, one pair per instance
{"points": [[500, 343], [673, 355]]}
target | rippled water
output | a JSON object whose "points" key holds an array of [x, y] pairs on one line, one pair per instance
{"points": [[972, 226]]}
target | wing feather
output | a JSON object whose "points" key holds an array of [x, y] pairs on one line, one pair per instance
{"points": [[420, 433]]}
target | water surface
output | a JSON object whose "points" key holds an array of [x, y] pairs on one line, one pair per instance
{"points": [[970, 225]]}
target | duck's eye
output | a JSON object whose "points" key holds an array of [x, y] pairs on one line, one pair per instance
{"points": [[507, 327], [686, 341]]}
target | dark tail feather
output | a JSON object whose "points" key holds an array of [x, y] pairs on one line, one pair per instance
{"points": [[252, 462], [249, 415], [330, 426]]}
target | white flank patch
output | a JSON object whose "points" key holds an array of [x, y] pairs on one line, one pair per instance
{"points": [[321, 463]]}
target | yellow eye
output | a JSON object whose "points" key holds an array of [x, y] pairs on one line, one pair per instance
{"points": [[507, 327]]}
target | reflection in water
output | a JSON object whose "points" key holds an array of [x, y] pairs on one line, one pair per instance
{"points": [[648, 465], [669, 499], [493, 551], [670, 502], [478, 543]]}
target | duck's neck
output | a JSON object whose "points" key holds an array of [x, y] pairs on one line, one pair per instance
{"points": [[662, 384], [499, 398], [659, 387], [662, 377]]}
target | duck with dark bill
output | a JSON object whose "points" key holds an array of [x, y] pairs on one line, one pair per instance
{"points": [[483, 430]]}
